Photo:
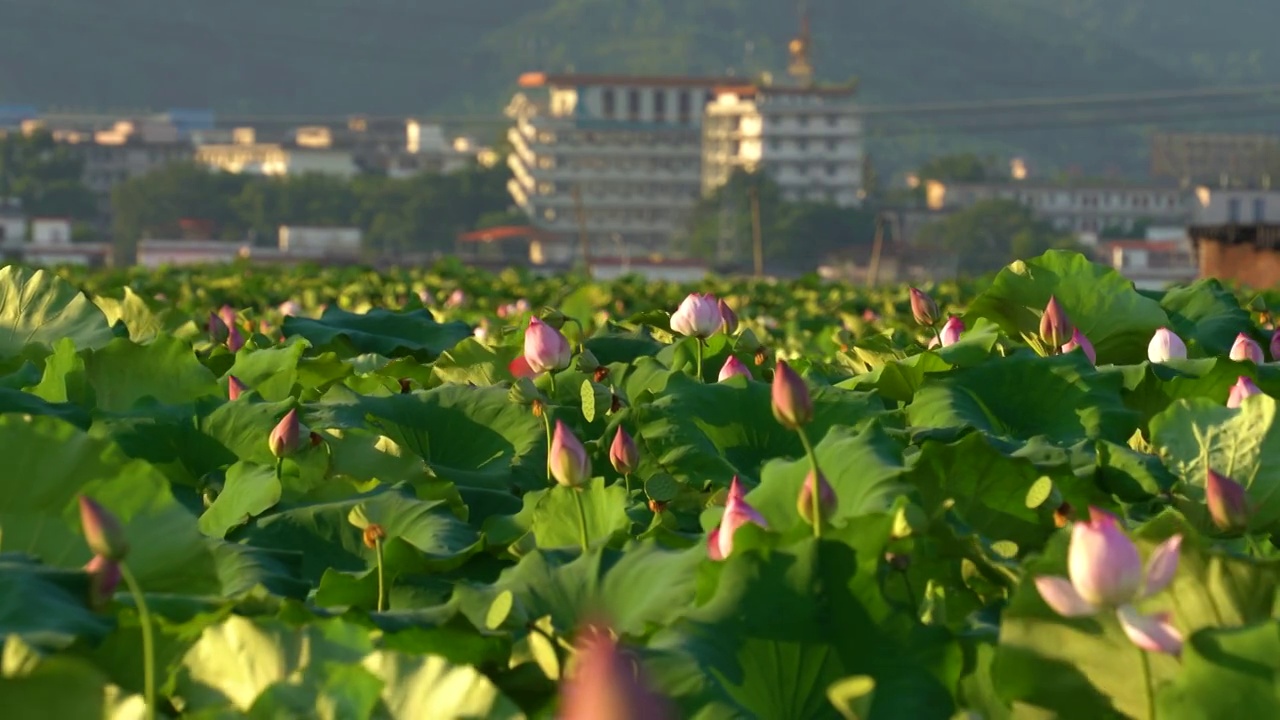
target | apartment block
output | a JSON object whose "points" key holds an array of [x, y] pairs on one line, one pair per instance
{"points": [[1081, 208]]}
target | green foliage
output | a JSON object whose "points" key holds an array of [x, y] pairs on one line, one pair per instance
{"points": [[44, 175], [991, 233]]}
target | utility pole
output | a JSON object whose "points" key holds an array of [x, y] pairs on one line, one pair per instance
{"points": [[580, 215], [757, 244]]}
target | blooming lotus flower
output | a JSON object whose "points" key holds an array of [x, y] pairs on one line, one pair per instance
{"points": [[570, 465], [103, 532], [951, 330], [792, 405], [234, 387], [104, 578], [1243, 388], [623, 454], [1055, 327], [284, 439], [698, 316], [1106, 573], [733, 367], [1079, 341], [1166, 346], [736, 514], [218, 330], [826, 497], [289, 307], [545, 348], [235, 340], [1275, 345], [728, 317], [1246, 349], [1227, 500], [923, 308], [608, 684]]}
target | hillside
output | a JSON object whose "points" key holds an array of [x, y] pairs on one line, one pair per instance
{"points": [[398, 56]]}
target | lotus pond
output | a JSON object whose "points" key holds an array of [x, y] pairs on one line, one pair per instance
{"points": [[440, 494]]}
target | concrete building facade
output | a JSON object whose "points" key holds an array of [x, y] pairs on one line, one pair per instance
{"points": [[1076, 208]]}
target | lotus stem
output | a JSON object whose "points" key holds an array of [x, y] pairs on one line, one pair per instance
{"points": [[382, 588], [546, 424], [582, 519], [626, 479], [813, 464], [148, 643], [551, 375], [1150, 684], [698, 342]]}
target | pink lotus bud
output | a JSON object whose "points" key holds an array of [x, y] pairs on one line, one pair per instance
{"points": [[103, 532], [951, 331], [570, 465], [1055, 327], [1243, 388], [104, 578], [606, 683], [733, 367], [1246, 349], [284, 439], [289, 307], [1166, 346], [522, 305], [234, 387], [228, 315], [736, 514], [623, 454], [1228, 503], [923, 308], [870, 316], [826, 498], [698, 316], [545, 348], [1275, 345], [456, 299], [729, 319], [1103, 562], [792, 405], [1079, 342], [235, 340], [217, 329]]}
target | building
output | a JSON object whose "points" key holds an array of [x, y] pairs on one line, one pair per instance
{"points": [[806, 139], [1248, 253], [245, 155], [427, 150], [1151, 264], [1212, 157], [1080, 208], [129, 149], [612, 160], [13, 224], [1232, 205], [320, 241]]}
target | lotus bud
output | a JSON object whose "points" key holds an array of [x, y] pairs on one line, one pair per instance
{"points": [[228, 315], [1166, 346], [623, 454], [951, 331], [372, 535], [235, 340], [234, 387], [456, 299], [1055, 328], [524, 392], [728, 317], [1103, 562], [545, 348], [870, 316], [737, 512], [733, 367], [284, 439], [587, 361], [826, 498], [1228, 503], [103, 532], [1275, 345], [792, 405], [698, 316], [104, 578], [1079, 342], [1245, 349], [606, 683], [1243, 388], [570, 465], [923, 308], [289, 307], [747, 342], [217, 329]]}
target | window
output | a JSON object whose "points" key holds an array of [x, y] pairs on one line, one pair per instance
{"points": [[1233, 210], [803, 120], [832, 169], [803, 144], [833, 120], [633, 104], [832, 144], [684, 107], [660, 104], [1259, 209], [610, 108]]}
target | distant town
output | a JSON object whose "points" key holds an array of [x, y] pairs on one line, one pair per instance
{"points": [[669, 177]]}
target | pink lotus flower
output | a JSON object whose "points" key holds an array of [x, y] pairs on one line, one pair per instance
{"points": [[545, 348], [228, 315], [870, 316], [733, 367], [826, 498], [951, 331], [1079, 342], [623, 454], [1246, 349], [289, 307], [1275, 345], [729, 319], [284, 439], [234, 387], [698, 316], [1055, 328], [218, 330], [1227, 500], [456, 299], [606, 683], [570, 464], [1106, 573], [1166, 346], [1243, 388], [923, 308], [736, 514], [792, 405], [104, 578], [103, 532], [235, 340]]}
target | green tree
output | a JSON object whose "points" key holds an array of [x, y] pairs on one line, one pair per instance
{"points": [[964, 167], [152, 205], [45, 175], [992, 233]]}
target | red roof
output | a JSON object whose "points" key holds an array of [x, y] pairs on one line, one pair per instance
{"points": [[503, 232]]}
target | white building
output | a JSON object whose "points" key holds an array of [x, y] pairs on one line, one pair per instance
{"points": [[13, 224], [806, 139], [1230, 206], [302, 240], [1084, 208], [130, 149], [614, 158], [254, 158]]}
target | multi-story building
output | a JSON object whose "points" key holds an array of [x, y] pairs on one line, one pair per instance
{"points": [[246, 155], [1236, 206], [613, 160], [128, 150], [806, 139], [1082, 208], [1213, 157]]}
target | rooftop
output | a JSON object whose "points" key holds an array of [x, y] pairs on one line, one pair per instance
{"points": [[1264, 235], [753, 89], [542, 79]]}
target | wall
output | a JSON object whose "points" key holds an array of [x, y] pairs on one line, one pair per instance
{"points": [[1242, 262]]}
